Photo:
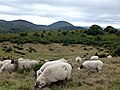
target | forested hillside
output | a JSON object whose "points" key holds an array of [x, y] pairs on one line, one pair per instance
{"points": [[108, 38], [18, 26], [54, 44], [25, 26]]}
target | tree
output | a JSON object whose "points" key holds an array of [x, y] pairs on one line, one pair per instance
{"points": [[98, 38], [117, 51], [44, 31], [110, 29], [72, 32], [64, 33], [95, 30], [118, 33], [36, 34], [49, 34], [23, 34], [42, 35]]}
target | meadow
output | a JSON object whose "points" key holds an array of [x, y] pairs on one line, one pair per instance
{"points": [[80, 79]]}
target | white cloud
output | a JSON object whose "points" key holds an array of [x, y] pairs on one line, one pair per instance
{"points": [[79, 12], [34, 19], [5, 8]]}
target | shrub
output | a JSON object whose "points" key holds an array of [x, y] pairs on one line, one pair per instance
{"points": [[65, 44], [36, 34], [42, 35], [31, 50], [95, 30], [118, 33], [19, 48], [102, 55], [18, 52], [64, 33], [23, 34], [9, 49], [110, 29], [117, 51]]}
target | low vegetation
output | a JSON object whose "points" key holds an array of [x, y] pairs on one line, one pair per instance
{"points": [[66, 44], [80, 79], [94, 36]]}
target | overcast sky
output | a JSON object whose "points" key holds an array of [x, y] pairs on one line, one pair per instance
{"points": [[77, 12]]}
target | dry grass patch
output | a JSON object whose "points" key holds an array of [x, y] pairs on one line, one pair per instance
{"points": [[80, 79]]}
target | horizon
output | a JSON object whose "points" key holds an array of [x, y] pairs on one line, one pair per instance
{"points": [[79, 13], [57, 21]]}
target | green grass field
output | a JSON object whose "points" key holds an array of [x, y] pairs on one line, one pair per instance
{"points": [[80, 79]]}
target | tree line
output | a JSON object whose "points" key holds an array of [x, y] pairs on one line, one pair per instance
{"points": [[108, 37]]}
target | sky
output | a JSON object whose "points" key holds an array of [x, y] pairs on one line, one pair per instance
{"points": [[77, 12]]}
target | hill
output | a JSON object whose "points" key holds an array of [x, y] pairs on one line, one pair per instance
{"points": [[18, 26], [25, 26], [60, 24], [63, 25]]}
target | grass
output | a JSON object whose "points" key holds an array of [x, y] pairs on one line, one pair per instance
{"points": [[80, 79]]}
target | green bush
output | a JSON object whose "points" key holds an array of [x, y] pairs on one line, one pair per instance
{"points": [[9, 49], [18, 47], [36, 34], [110, 29], [95, 30], [117, 51], [23, 34]]}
